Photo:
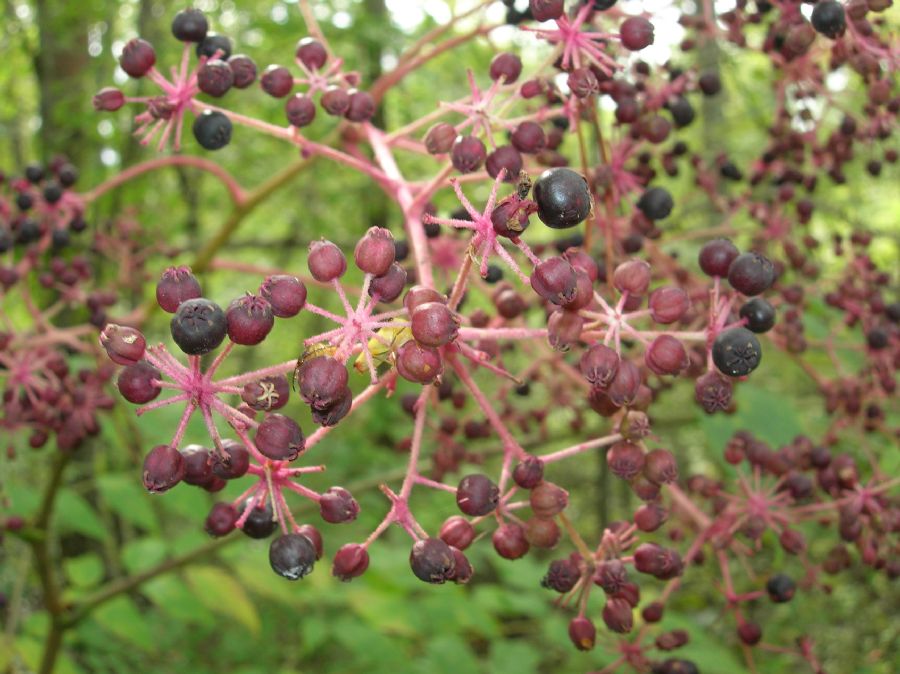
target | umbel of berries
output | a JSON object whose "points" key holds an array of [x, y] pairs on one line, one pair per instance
{"points": [[563, 198]]}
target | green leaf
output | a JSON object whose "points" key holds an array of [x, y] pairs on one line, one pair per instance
{"points": [[128, 500], [121, 618], [513, 657], [220, 592], [74, 513], [174, 598], [85, 570], [142, 553]]}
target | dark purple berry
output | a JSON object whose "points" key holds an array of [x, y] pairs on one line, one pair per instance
{"points": [[214, 45], [636, 33], [781, 588], [432, 561], [529, 138], [716, 257], [198, 326], [212, 129], [279, 438], [545, 10], [300, 110], [292, 556], [335, 101], [277, 81], [244, 69], [285, 294], [562, 576], [311, 53], [713, 392], [260, 523], [190, 25], [828, 18], [505, 158], [322, 381], [656, 203], [506, 67], [137, 58], [337, 506], [333, 413], [138, 383], [221, 519], [197, 465], [554, 279], [163, 469], [751, 273], [468, 154], [477, 495], [234, 462], [759, 314], [390, 285], [361, 108], [563, 198], [736, 352]]}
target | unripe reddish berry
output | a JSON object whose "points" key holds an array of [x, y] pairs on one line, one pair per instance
{"points": [[322, 381], [626, 384], [528, 137], [625, 459], [389, 286], [300, 110], [660, 466], [505, 67], [468, 154], [234, 462], [123, 345], [477, 495], [457, 532], [542, 533], [335, 101], [548, 500], [617, 615], [666, 356], [337, 506], [311, 53], [716, 257], [221, 519], [582, 633], [418, 363], [510, 542], [632, 276], [285, 294], [279, 438], [350, 562], [176, 285], [668, 304], [418, 295], [433, 324], [528, 473], [554, 280], [611, 575], [599, 365], [750, 633], [326, 261], [375, 252], [545, 10], [440, 138], [108, 99], [361, 108], [636, 33], [713, 392], [504, 158], [138, 383], [197, 465], [266, 395], [277, 81], [657, 561], [650, 517], [163, 469], [137, 58], [250, 319], [314, 537]]}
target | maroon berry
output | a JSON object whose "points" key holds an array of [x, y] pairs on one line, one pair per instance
{"points": [[333, 413], [300, 110], [267, 394], [433, 324], [190, 25], [562, 576], [660, 466], [582, 82], [285, 294], [176, 285], [277, 81], [374, 254], [750, 633], [418, 295], [528, 138], [215, 78], [529, 472], [668, 304], [462, 569], [361, 108], [657, 561], [233, 462], [666, 356], [457, 532], [322, 381], [163, 469], [506, 67], [617, 615], [124, 345], [650, 517], [653, 612], [250, 319], [548, 500], [554, 279], [713, 392], [542, 533], [781, 588], [505, 158], [314, 537], [545, 10], [389, 286], [108, 99], [432, 561], [716, 257], [418, 363], [611, 575], [139, 383], [440, 138], [599, 365], [633, 277], [279, 438], [137, 58], [338, 506], [468, 154], [244, 70], [197, 465], [221, 519], [636, 33], [626, 384], [326, 261], [311, 53], [625, 459], [751, 273], [582, 633], [510, 542], [477, 495], [350, 562], [335, 101]]}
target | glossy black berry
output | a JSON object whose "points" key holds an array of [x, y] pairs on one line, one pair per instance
{"points": [[781, 588], [432, 561], [656, 203], [212, 129], [828, 18], [260, 523], [67, 174], [563, 198], [292, 556], [190, 25], [34, 173], [736, 352], [214, 43], [759, 314], [199, 326]]}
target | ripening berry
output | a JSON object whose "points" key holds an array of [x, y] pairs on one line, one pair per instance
{"points": [[335, 101], [632, 276], [311, 53], [477, 495], [582, 82], [285, 294], [433, 324], [314, 537], [759, 314], [564, 327], [528, 473], [163, 469], [751, 273], [176, 285], [510, 542], [750, 633], [666, 355], [418, 363], [215, 78], [713, 392], [462, 568], [542, 533], [279, 438], [653, 612], [611, 575], [656, 203], [124, 345], [198, 326], [582, 633], [554, 279], [326, 261], [457, 532], [617, 615], [300, 110], [505, 67], [190, 25], [214, 46], [361, 108], [389, 286], [197, 465], [250, 319], [137, 58], [625, 459], [710, 84], [548, 500], [563, 198], [504, 158], [233, 462], [267, 394], [221, 519], [139, 383], [650, 517], [331, 414], [108, 99], [350, 562], [736, 352], [467, 154], [636, 33], [599, 365], [716, 257], [244, 70], [432, 561], [828, 18], [657, 561], [338, 506], [528, 137], [792, 541], [277, 81], [545, 10], [418, 295], [261, 522], [440, 138], [781, 588], [668, 304], [562, 576], [212, 130], [660, 466], [626, 384], [374, 253], [292, 556], [322, 381]]}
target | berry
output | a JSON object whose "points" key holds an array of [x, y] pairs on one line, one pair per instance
{"points": [[582, 633], [374, 254], [632, 277], [759, 314], [617, 615], [52, 192], [197, 465], [137, 58], [716, 257], [300, 110], [176, 285], [34, 173], [781, 588], [350, 562], [563, 198], [477, 495], [548, 500], [244, 70], [292, 556], [528, 473], [250, 319], [285, 294], [266, 395], [440, 138], [163, 469], [668, 304], [190, 25], [582, 82], [611, 575], [625, 459], [545, 10], [123, 345], [624, 387], [234, 461], [418, 295], [636, 33], [214, 45], [751, 273], [314, 537], [433, 324], [666, 356], [260, 523], [432, 561], [562, 576], [599, 365], [457, 532], [418, 363], [462, 569], [390, 285], [750, 633], [554, 279], [279, 438], [736, 352], [657, 561], [649, 517], [510, 542], [660, 466], [221, 519], [322, 381], [506, 67], [326, 261], [656, 203], [710, 84], [828, 18], [542, 533], [505, 158], [198, 326], [138, 383], [277, 81], [361, 107], [311, 53], [212, 129], [528, 137], [331, 414], [337, 506], [467, 154]]}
